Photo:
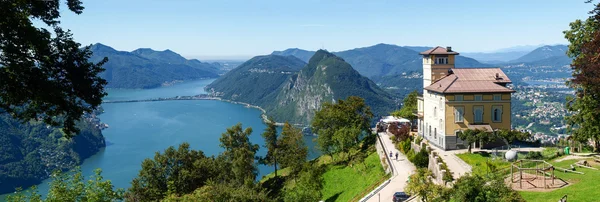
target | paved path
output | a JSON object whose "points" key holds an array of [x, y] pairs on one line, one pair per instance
{"points": [[402, 169], [457, 166]]}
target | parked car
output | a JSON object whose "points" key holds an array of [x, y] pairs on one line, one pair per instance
{"points": [[400, 196]]}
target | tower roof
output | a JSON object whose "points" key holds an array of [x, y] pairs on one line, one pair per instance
{"points": [[439, 51]]}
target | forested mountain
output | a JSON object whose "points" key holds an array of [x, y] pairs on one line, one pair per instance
{"points": [[326, 78], [31, 151], [383, 59], [146, 68], [257, 79]]}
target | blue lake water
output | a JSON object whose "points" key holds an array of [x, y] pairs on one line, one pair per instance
{"points": [[138, 129]]}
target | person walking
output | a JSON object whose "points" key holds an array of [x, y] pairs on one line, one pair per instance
{"points": [[396, 156], [390, 154]]}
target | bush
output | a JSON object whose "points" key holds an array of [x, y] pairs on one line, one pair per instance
{"points": [[534, 155], [410, 155], [405, 146], [421, 159]]}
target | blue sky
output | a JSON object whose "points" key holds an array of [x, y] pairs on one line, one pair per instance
{"points": [[244, 28]]}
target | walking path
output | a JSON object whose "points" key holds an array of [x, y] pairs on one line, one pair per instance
{"points": [[402, 168], [456, 165]]}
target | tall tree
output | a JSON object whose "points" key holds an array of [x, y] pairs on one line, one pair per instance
{"points": [[421, 184], [469, 136], [241, 153], [45, 75], [584, 48], [510, 136], [176, 171], [293, 150], [409, 106], [270, 136], [352, 116]]}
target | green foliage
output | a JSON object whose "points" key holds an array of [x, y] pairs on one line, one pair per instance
{"points": [[471, 136], [222, 192], [421, 159], [270, 136], [339, 125], [483, 189], [72, 187], [309, 185], [509, 136], [31, 150], [584, 39], [241, 153], [44, 75], [534, 155], [176, 171], [405, 146], [409, 106], [421, 184], [293, 150]]}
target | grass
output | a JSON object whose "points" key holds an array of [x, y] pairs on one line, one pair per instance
{"points": [[343, 183], [581, 188], [478, 162]]}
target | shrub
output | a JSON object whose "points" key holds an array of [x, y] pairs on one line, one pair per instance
{"points": [[534, 155], [405, 146], [410, 155], [421, 159]]}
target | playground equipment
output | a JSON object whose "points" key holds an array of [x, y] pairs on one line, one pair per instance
{"points": [[534, 174]]}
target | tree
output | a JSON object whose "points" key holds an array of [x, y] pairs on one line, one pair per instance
{"points": [[45, 76], [509, 136], [469, 136], [292, 147], [400, 132], [420, 184], [71, 187], [351, 113], [176, 171], [308, 187], [240, 152], [270, 136], [584, 48], [214, 191], [408, 107], [479, 188]]}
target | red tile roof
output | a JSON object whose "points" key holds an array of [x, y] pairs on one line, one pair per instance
{"points": [[472, 80], [438, 51]]}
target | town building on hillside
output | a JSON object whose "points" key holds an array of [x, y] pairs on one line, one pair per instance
{"points": [[455, 99]]}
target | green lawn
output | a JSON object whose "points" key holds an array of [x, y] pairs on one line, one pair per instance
{"points": [[582, 187], [478, 162], [343, 183]]}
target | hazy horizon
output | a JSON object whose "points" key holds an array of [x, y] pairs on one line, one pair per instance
{"points": [[241, 29]]}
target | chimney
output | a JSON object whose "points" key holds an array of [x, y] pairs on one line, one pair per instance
{"points": [[497, 76], [448, 48], [450, 71]]}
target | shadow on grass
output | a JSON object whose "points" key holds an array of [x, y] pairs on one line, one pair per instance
{"points": [[275, 186], [334, 197], [482, 153]]}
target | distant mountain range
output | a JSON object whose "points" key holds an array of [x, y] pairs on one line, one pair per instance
{"points": [[147, 68], [326, 78], [383, 59], [542, 53]]}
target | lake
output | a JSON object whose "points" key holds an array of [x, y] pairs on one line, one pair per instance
{"points": [[138, 129]]}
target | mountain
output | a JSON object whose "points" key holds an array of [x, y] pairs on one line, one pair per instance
{"points": [[304, 55], [384, 59], [256, 79], [543, 52], [31, 150], [170, 57], [496, 57], [146, 68], [326, 78]]}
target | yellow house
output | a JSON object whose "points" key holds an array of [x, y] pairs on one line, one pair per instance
{"points": [[455, 99]]}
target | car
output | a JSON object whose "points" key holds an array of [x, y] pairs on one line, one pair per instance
{"points": [[400, 196]]}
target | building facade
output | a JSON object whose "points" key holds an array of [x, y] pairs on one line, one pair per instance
{"points": [[455, 99]]}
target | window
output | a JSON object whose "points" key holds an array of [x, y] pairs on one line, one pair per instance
{"points": [[478, 97], [429, 131], [435, 133], [441, 60], [478, 113], [435, 112], [497, 97], [459, 113], [458, 98], [497, 113]]}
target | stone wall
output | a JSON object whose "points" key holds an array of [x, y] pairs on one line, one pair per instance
{"points": [[435, 166]]}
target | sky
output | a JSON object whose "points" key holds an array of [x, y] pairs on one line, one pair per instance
{"points": [[240, 29]]}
